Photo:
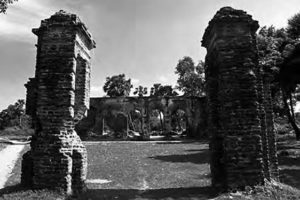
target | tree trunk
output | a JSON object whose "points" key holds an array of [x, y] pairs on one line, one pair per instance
{"points": [[289, 112], [161, 122]]}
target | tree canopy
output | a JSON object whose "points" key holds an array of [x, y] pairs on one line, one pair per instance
{"points": [[12, 113], [162, 90], [140, 91], [191, 77], [276, 49], [293, 28], [4, 5], [117, 85]]}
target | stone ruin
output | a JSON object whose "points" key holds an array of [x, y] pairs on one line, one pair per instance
{"points": [[193, 107], [240, 117], [57, 98]]}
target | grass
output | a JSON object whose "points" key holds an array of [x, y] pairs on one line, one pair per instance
{"points": [[143, 165], [16, 133], [165, 170]]}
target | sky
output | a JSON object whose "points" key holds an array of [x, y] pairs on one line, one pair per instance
{"points": [[142, 38]]}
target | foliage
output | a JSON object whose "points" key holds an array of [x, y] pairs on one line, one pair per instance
{"points": [[117, 121], [178, 120], [293, 28], [4, 5], [162, 90], [275, 48], [117, 85], [191, 77], [156, 120], [12, 113], [140, 91]]}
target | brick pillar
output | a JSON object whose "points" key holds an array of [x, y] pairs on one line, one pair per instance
{"points": [[271, 135], [31, 95], [263, 123], [58, 158], [234, 113], [167, 115]]}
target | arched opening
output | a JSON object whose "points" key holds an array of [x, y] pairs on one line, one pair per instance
{"points": [[179, 123], [156, 122]]}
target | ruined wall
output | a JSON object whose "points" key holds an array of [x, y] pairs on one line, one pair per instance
{"points": [[194, 108], [57, 158], [240, 117], [31, 96]]}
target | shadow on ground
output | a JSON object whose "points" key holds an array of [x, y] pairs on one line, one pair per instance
{"points": [[201, 157], [290, 171], [198, 193], [289, 163]]}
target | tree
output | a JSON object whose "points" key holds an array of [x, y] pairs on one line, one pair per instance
{"points": [[293, 28], [12, 113], [162, 90], [4, 5], [117, 85], [276, 47], [191, 77], [140, 91], [289, 80]]}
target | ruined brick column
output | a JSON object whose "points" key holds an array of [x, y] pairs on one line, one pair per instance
{"points": [[31, 95], [57, 158], [270, 129], [234, 112]]}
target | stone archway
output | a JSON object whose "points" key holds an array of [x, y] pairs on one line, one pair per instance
{"points": [[59, 97]]}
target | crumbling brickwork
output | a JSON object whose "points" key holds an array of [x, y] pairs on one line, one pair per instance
{"points": [[60, 95], [194, 108], [242, 143]]}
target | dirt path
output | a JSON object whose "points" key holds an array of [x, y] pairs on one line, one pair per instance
{"points": [[8, 158]]}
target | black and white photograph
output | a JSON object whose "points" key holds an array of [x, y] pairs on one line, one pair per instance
{"points": [[149, 100]]}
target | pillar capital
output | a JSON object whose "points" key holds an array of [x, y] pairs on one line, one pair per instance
{"points": [[229, 22], [66, 20]]}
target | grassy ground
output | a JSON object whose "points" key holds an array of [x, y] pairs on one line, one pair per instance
{"points": [[289, 162], [143, 165], [16, 133], [145, 170]]}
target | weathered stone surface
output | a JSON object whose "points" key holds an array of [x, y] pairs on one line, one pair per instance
{"points": [[194, 108], [240, 115], [57, 97]]}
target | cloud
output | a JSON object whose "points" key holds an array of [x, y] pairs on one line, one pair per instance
{"points": [[163, 79], [97, 91], [21, 17], [135, 81]]}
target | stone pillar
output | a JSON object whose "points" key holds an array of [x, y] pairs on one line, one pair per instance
{"points": [[145, 122], [270, 130], [31, 96], [234, 113], [263, 124], [57, 158]]}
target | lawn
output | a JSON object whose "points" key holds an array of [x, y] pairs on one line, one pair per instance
{"points": [[158, 170], [144, 165]]}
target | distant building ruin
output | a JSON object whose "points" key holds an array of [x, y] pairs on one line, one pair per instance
{"points": [[193, 107]]}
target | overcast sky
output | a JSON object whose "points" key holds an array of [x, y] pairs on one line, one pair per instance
{"points": [[142, 38]]}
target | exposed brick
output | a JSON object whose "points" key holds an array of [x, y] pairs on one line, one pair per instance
{"points": [[242, 144], [58, 97]]}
